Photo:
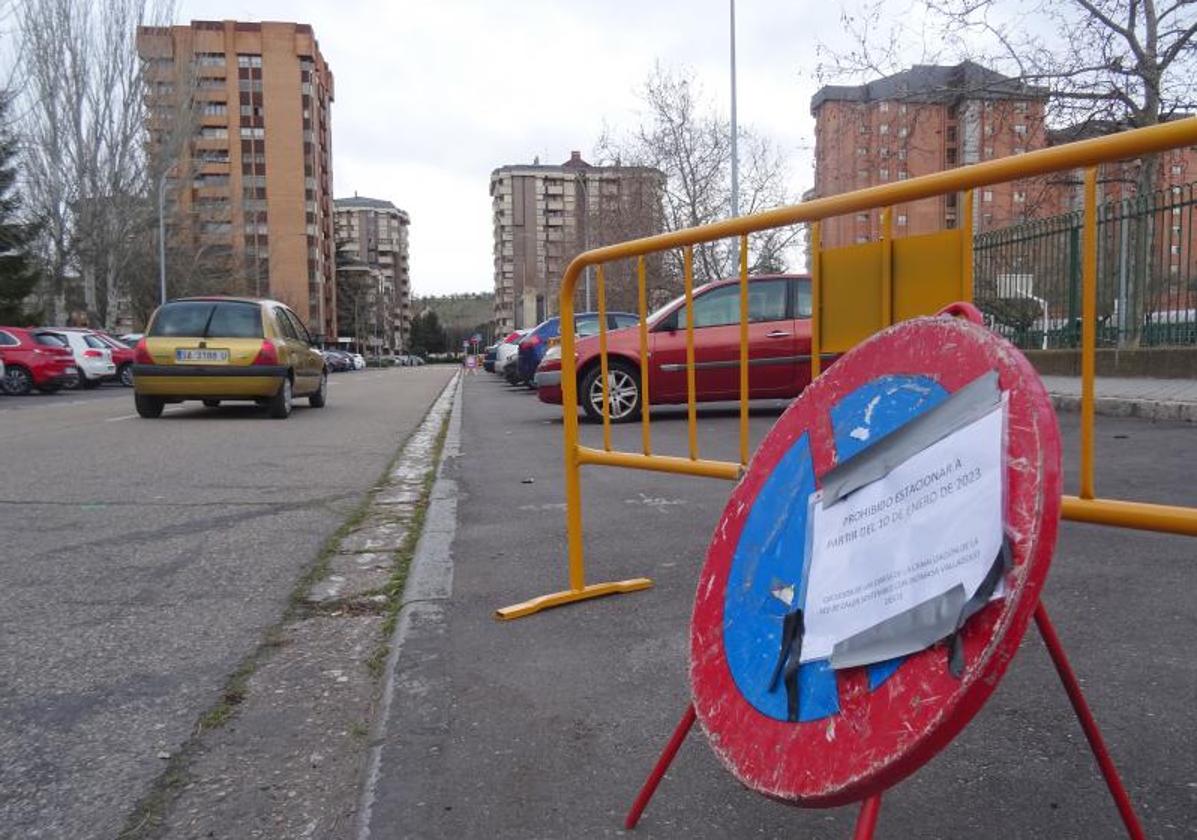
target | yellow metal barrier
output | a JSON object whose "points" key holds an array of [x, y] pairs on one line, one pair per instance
{"points": [[891, 284]]}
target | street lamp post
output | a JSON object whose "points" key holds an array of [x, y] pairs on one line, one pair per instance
{"points": [[735, 160], [162, 234]]}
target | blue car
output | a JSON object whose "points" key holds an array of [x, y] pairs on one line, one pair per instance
{"points": [[535, 344]]}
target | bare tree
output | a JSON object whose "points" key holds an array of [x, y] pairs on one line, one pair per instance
{"points": [[1107, 64], [683, 136], [82, 104]]}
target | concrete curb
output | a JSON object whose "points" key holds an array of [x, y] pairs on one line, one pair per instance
{"points": [[1181, 412], [421, 611]]}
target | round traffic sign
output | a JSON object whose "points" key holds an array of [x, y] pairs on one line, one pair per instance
{"points": [[849, 733]]}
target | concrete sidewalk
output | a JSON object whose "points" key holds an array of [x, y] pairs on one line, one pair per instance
{"points": [[1151, 399], [545, 727]]}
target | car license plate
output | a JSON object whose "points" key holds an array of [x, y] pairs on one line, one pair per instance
{"points": [[70, 370], [189, 355]]}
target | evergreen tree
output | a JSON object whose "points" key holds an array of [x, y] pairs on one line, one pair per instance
{"points": [[18, 269]]}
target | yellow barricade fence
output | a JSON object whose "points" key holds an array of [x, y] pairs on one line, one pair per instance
{"points": [[855, 291]]}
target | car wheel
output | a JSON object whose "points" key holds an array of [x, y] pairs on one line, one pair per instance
{"points": [[17, 381], [320, 397], [623, 392], [126, 375], [281, 403], [148, 407], [88, 384], [211, 403]]}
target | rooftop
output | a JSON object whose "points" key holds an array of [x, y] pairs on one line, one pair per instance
{"points": [[932, 83]]}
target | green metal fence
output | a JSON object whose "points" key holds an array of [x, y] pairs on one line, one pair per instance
{"points": [[1027, 277]]}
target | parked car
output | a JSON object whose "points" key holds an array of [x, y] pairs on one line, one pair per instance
{"points": [[488, 358], [130, 339], [359, 361], [509, 347], [533, 346], [336, 360], [227, 348], [35, 361], [779, 309], [93, 357], [122, 354]]}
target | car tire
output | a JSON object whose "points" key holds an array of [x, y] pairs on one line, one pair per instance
{"points": [[148, 407], [125, 375], [320, 396], [624, 392], [282, 402], [88, 384], [17, 381], [211, 403]]}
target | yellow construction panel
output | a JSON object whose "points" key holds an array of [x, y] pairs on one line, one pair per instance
{"points": [[926, 273], [851, 296]]}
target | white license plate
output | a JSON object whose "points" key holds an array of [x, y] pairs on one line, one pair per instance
{"points": [[184, 356], [70, 370]]}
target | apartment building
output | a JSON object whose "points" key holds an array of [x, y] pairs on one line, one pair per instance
{"points": [[544, 216], [372, 233], [250, 164], [923, 120]]}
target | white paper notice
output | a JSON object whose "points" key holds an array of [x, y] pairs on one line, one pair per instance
{"points": [[933, 522]]}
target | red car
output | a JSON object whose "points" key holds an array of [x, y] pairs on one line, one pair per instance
{"points": [[35, 361], [122, 357], [779, 309]]}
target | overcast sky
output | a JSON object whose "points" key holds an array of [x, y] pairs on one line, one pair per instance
{"points": [[432, 96]]}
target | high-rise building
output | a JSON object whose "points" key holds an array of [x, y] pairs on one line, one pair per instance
{"points": [[372, 232], [923, 120], [252, 175], [544, 216]]}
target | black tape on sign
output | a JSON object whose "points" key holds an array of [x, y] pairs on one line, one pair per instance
{"points": [[788, 660], [1001, 564]]}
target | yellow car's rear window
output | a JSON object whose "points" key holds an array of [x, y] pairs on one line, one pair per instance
{"points": [[208, 319]]}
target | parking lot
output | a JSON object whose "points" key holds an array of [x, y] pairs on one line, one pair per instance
{"points": [[547, 725]]}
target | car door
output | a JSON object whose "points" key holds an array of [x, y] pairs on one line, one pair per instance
{"points": [[297, 348], [314, 362], [772, 344]]}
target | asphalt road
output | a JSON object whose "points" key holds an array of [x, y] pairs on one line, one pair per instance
{"points": [[141, 560], [546, 726]]}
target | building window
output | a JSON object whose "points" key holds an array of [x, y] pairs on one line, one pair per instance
{"points": [[209, 132], [883, 107], [884, 154], [248, 60], [1020, 197], [883, 128], [902, 176], [1177, 169], [247, 131], [988, 152], [902, 110], [988, 128], [215, 109], [1019, 150], [901, 154], [950, 135], [987, 195], [903, 132], [861, 151], [901, 219], [951, 155], [862, 217], [1020, 107], [860, 240], [1175, 250], [1020, 130], [884, 174], [206, 59], [864, 129]]}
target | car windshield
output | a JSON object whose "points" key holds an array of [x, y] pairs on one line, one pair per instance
{"points": [[50, 340], [208, 318]]}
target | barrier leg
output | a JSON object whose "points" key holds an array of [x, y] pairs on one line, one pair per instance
{"points": [[866, 821], [654, 778], [1088, 723]]}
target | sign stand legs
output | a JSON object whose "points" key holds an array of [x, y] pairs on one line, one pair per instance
{"points": [[866, 822], [1088, 723], [654, 778]]}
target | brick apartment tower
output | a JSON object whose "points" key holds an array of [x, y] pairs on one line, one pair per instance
{"points": [[923, 120], [544, 216], [373, 232], [259, 158]]}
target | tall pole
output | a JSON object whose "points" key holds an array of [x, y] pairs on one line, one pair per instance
{"points": [[162, 236], [735, 159]]}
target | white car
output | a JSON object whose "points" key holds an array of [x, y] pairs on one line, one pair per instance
{"points": [[359, 361], [507, 349], [92, 356]]}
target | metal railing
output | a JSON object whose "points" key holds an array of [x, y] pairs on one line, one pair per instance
{"points": [[828, 325], [1028, 276]]}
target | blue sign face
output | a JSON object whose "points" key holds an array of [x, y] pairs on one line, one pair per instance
{"points": [[768, 571]]}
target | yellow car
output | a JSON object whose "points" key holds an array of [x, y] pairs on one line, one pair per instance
{"points": [[227, 348]]}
